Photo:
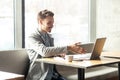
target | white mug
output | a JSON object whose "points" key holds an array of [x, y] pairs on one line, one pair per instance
{"points": [[69, 58]]}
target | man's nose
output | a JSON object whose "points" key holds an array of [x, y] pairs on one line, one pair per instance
{"points": [[52, 25]]}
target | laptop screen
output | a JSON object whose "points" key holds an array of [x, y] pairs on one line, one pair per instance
{"points": [[98, 47]]}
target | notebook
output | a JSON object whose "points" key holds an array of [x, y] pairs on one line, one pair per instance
{"points": [[96, 52]]}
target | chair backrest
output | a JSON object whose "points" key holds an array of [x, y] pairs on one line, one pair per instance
{"points": [[15, 61]]}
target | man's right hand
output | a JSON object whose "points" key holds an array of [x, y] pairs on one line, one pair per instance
{"points": [[75, 48]]}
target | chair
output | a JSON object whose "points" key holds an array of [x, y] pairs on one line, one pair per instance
{"points": [[15, 62]]}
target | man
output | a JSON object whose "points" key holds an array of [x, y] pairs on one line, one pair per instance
{"points": [[41, 45]]}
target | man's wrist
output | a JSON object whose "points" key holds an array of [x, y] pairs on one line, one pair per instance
{"points": [[69, 48]]}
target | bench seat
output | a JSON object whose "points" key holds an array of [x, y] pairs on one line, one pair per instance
{"points": [[14, 64], [10, 76]]}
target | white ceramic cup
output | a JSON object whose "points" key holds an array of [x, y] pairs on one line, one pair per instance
{"points": [[69, 58]]}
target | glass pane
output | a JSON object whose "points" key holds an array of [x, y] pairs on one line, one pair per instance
{"points": [[108, 23], [71, 19], [6, 25]]}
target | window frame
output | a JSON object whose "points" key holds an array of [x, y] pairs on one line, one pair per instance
{"points": [[19, 24], [92, 20]]}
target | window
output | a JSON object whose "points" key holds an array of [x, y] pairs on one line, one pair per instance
{"points": [[6, 25], [108, 23], [71, 19]]}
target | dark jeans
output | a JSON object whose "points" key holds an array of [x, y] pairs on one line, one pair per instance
{"points": [[58, 78], [56, 75]]}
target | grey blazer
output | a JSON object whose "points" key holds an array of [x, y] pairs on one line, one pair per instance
{"points": [[40, 46]]}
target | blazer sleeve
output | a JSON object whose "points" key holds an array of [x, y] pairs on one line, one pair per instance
{"points": [[37, 44]]}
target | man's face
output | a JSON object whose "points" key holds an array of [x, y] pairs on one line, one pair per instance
{"points": [[47, 24]]}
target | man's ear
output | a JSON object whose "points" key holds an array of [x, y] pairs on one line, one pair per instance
{"points": [[40, 21]]}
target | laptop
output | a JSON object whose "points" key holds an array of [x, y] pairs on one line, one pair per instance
{"points": [[96, 52]]}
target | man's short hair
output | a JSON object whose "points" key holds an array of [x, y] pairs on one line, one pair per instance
{"points": [[44, 13]]}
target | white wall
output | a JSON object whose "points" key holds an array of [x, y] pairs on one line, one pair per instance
{"points": [[108, 23]]}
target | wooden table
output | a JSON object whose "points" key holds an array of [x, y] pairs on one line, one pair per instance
{"points": [[111, 54], [82, 65]]}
